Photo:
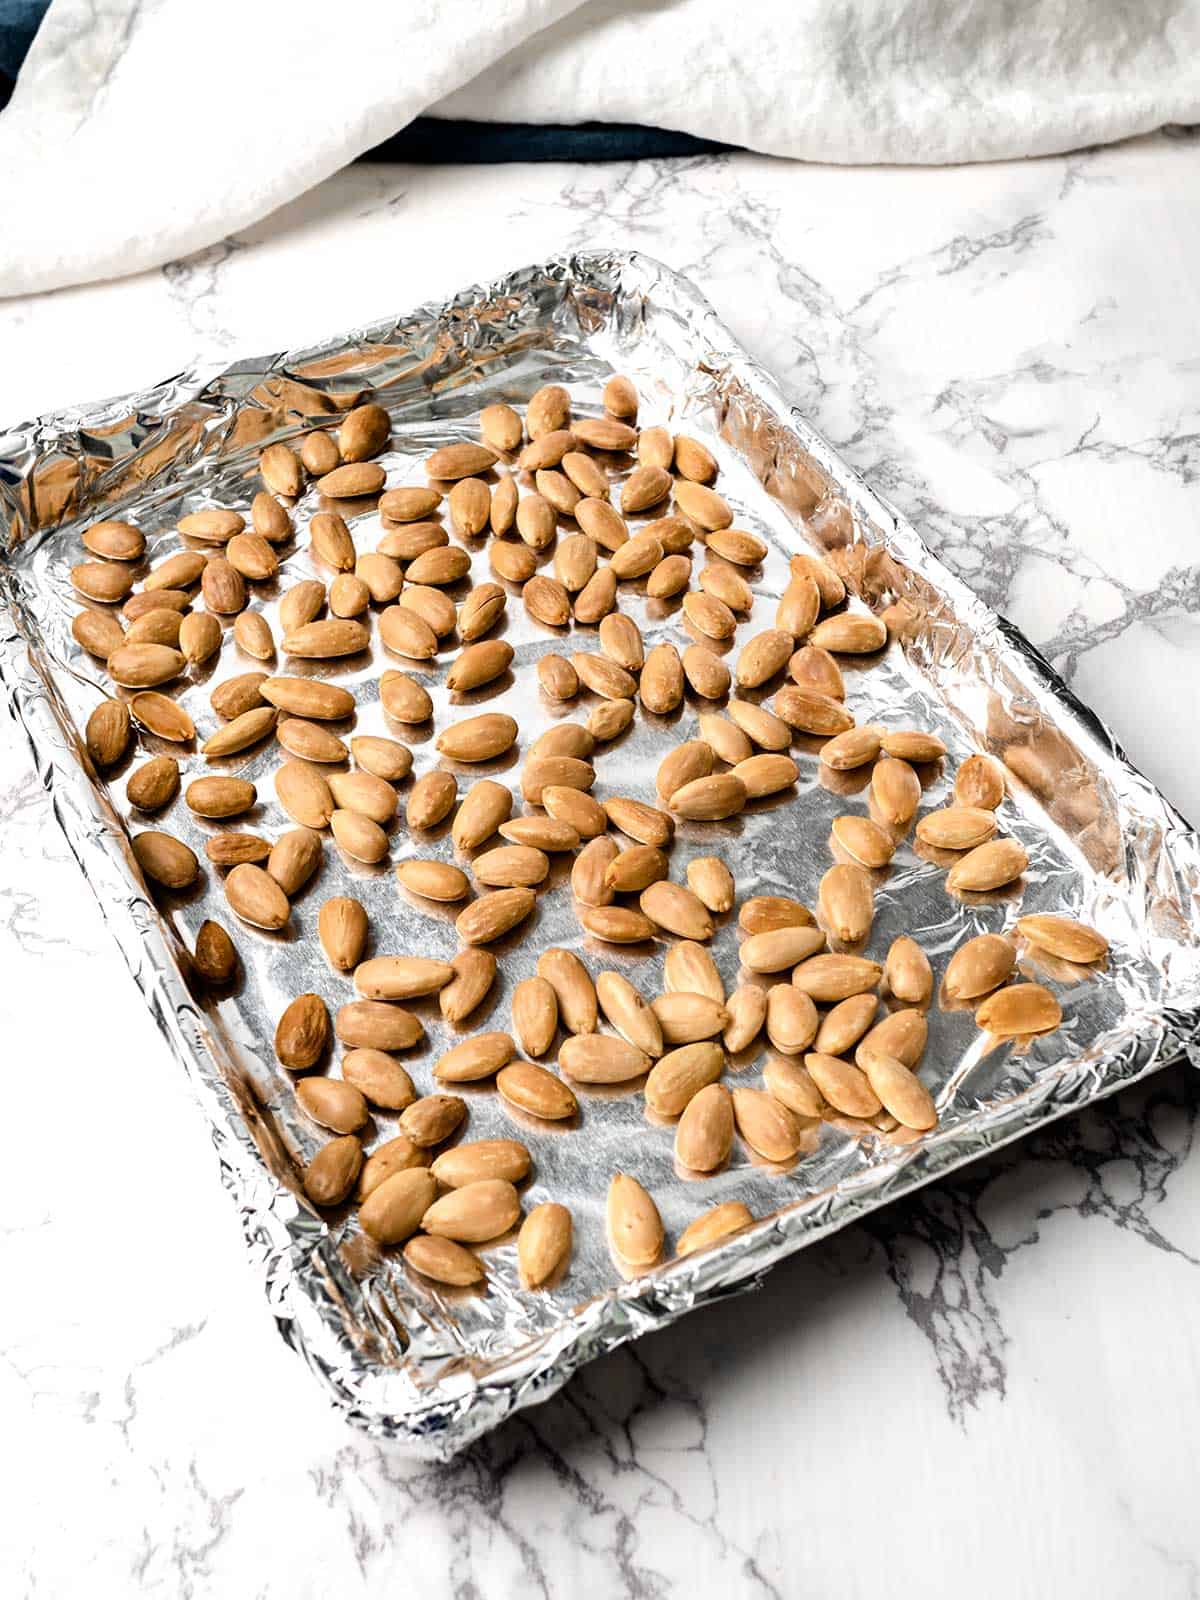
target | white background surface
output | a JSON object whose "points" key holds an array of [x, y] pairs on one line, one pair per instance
{"points": [[994, 1388]]}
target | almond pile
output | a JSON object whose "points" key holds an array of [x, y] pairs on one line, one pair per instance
{"points": [[571, 507]]}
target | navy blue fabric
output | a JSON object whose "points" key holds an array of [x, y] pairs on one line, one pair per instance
{"points": [[428, 140]]}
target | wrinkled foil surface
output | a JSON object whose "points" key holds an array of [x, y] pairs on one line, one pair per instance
{"points": [[432, 1368]]}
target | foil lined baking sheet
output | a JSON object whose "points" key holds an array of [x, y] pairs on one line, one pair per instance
{"points": [[434, 1368]]}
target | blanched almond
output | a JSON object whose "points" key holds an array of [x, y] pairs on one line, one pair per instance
{"points": [[712, 1225], [608, 719], [534, 1015], [956, 827], [358, 836], [342, 930], [988, 866], [908, 973], [1063, 937], [433, 1118], [543, 1244], [661, 684], [793, 1086], [159, 714], [687, 1018], [493, 915], [547, 601], [846, 903], [736, 545], [395, 1155], [896, 791], [589, 875], [655, 448], [726, 739], [902, 1034], [198, 635], [333, 1103], [431, 800], [979, 966], [814, 713], [480, 1056], [724, 583], [393, 1209], [689, 968], [434, 880], [635, 1228], [143, 666], [566, 804], [480, 611], [474, 974], [798, 609], [630, 871], [333, 1171], [482, 1158], [252, 633], [616, 924], [865, 840], [764, 912], [828, 978], [777, 949], [681, 1074], [853, 748], [704, 1135], [555, 772], [331, 639], [710, 799], [792, 1020], [602, 522], [98, 632], [900, 1092], [629, 1014], [846, 1087], [537, 1091], [747, 1008], [597, 597], [514, 563], [687, 762], [510, 866], [470, 503], [979, 782], [400, 977], [711, 616], [543, 833], [843, 1026], [642, 822], [256, 897], [376, 1025], [766, 774], [913, 746], [444, 1261], [601, 1058], [308, 697], [704, 506], [850, 633], [557, 677], [670, 577], [677, 910], [768, 1127]]}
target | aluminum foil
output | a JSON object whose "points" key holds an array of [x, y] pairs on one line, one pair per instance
{"points": [[432, 1368]]}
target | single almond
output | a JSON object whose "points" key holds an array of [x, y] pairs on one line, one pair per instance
{"points": [[704, 506], [902, 1034], [810, 712], [656, 448], [828, 978], [223, 587], [766, 730], [443, 1261], [534, 1015], [444, 565], [816, 670], [630, 871], [564, 739], [629, 1014], [843, 1026], [799, 607], [640, 821], [988, 866], [215, 955], [543, 1244], [481, 611], [766, 774], [514, 563], [913, 746], [895, 792], [309, 741], [161, 715], [763, 912], [908, 973], [410, 504], [144, 666], [557, 677], [481, 1056], [979, 782], [536, 1090], [479, 664], [724, 583], [342, 929], [352, 481], [470, 504], [768, 1127], [597, 597], [548, 411], [294, 857], [681, 1074], [365, 793], [704, 1135], [605, 433], [956, 827], [485, 806], [979, 966], [900, 1092], [103, 581], [557, 490], [392, 1211], [198, 635], [589, 875], [636, 557], [395, 1155], [687, 1018], [480, 1159], [588, 476], [480, 738], [726, 740], [383, 577], [846, 903], [108, 733], [431, 800], [853, 748], [256, 897], [400, 977], [865, 840], [301, 604], [1064, 937], [635, 1229], [601, 1058], [493, 915], [710, 799], [602, 522], [689, 968], [763, 656], [776, 949], [747, 1010], [670, 577], [329, 640], [677, 910], [270, 518], [405, 541], [475, 1213], [155, 600], [228, 849], [377, 1025], [845, 1086], [661, 683], [434, 880], [850, 633], [99, 632], [165, 860], [547, 601], [688, 761], [333, 1171], [238, 694], [302, 1034], [792, 1085], [304, 794], [154, 784], [717, 1223], [616, 924], [241, 732], [308, 697], [555, 772], [474, 974], [711, 880], [791, 1020], [218, 797], [403, 698], [709, 615]]}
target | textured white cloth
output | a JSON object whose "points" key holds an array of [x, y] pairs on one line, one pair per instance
{"points": [[141, 130]]}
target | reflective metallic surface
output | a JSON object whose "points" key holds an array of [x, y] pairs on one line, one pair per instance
{"points": [[437, 1368]]}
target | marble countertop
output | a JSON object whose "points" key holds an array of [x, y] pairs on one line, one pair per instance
{"points": [[992, 1387]]}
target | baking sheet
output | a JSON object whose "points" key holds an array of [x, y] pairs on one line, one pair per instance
{"points": [[436, 1368]]}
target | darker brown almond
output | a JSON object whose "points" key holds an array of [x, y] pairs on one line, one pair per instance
{"points": [[228, 849], [218, 797], [108, 733], [302, 1033], [154, 784], [165, 859], [215, 955], [333, 1171], [364, 432]]}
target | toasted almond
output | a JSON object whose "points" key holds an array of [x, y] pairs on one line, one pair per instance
{"points": [[543, 1244], [616, 924], [342, 929], [913, 746], [383, 577], [979, 782], [597, 597], [250, 555], [501, 428], [144, 666], [365, 793], [480, 1159], [828, 978], [227, 849], [319, 453], [588, 476], [294, 857], [763, 656], [557, 490], [256, 897], [304, 794], [430, 1121], [179, 571], [710, 799], [400, 977], [768, 1127], [155, 600], [900, 1092], [686, 1018], [806, 565], [309, 741], [377, 1025], [814, 713], [711, 880], [548, 450], [352, 481], [675, 533], [571, 805], [537, 1091], [198, 635], [979, 966], [704, 1135], [674, 908], [629, 1014], [850, 633], [302, 1034], [165, 860], [470, 503], [736, 545], [564, 739], [479, 664], [766, 730], [301, 604], [431, 800], [475, 1213], [763, 912], [725, 738], [474, 974], [853, 748], [843, 1026], [441, 566], [655, 448], [766, 774], [108, 732], [798, 609], [330, 541], [270, 519], [713, 1225], [557, 677], [621, 398], [704, 506], [547, 601], [608, 719], [238, 695], [511, 866], [115, 541], [161, 715], [556, 772], [723, 583], [480, 1056], [406, 541], [621, 641], [604, 433], [434, 880], [574, 992], [241, 732], [404, 699], [630, 871], [777, 949], [896, 791], [865, 840], [412, 504], [407, 633], [534, 1015], [711, 616], [644, 823], [846, 903], [481, 611], [908, 973], [392, 1211], [514, 563], [956, 827], [661, 685], [308, 697], [601, 1058], [669, 577], [1064, 937], [480, 738], [396, 1155], [548, 411], [543, 833], [988, 866], [902, 1034], [687, 762], [603, 676], [223, 587], [635, 1229], [747, 1009], [99, 632], [846, 1087], [589, 875], [333, 1172], [103, 581], [328, 640], [219, 796], [165, 627], [493, 915], [602, 522], [689, 968], [485, 806], [154, 784], [791, 1020], [333, 1103], [793, 1086], [444, 1261], [681, 1074], [636, 557]]}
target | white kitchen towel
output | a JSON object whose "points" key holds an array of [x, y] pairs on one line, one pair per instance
{"points": [[141, 130]]}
